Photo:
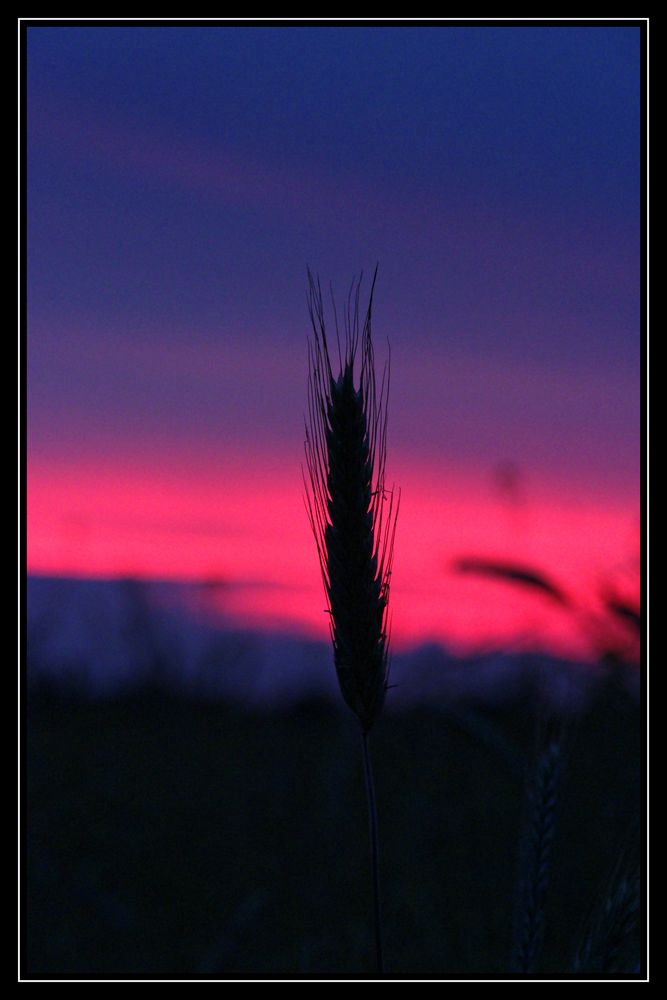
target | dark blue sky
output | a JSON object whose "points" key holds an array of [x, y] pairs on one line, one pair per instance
{"points": [[470, 161], [540, 112]]}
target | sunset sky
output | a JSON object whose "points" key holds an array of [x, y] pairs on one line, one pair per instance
{"points": [[179, 182]]}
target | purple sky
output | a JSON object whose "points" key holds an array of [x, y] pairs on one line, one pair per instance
{"points": [[181, 179]]}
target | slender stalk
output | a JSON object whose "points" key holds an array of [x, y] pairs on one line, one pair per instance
{"points": [[353, 517], [375, 853]]}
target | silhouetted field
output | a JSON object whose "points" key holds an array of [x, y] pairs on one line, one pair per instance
{"points": [[180, 839]]}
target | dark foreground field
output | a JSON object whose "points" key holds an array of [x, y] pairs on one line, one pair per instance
{"points": [[175, 839]]}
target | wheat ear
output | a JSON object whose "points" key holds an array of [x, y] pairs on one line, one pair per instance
{"points": [[353, 518], [536, 861]]}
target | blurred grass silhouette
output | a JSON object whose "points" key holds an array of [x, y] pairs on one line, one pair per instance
{"points": [[173, 838]]}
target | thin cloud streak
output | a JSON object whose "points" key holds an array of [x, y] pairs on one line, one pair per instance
{"points": [[470, 221]]}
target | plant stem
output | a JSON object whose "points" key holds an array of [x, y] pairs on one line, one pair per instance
{"points": [[375, 855]]}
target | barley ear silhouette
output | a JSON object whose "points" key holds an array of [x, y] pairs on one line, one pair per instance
{"points": [[353, 516]]}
